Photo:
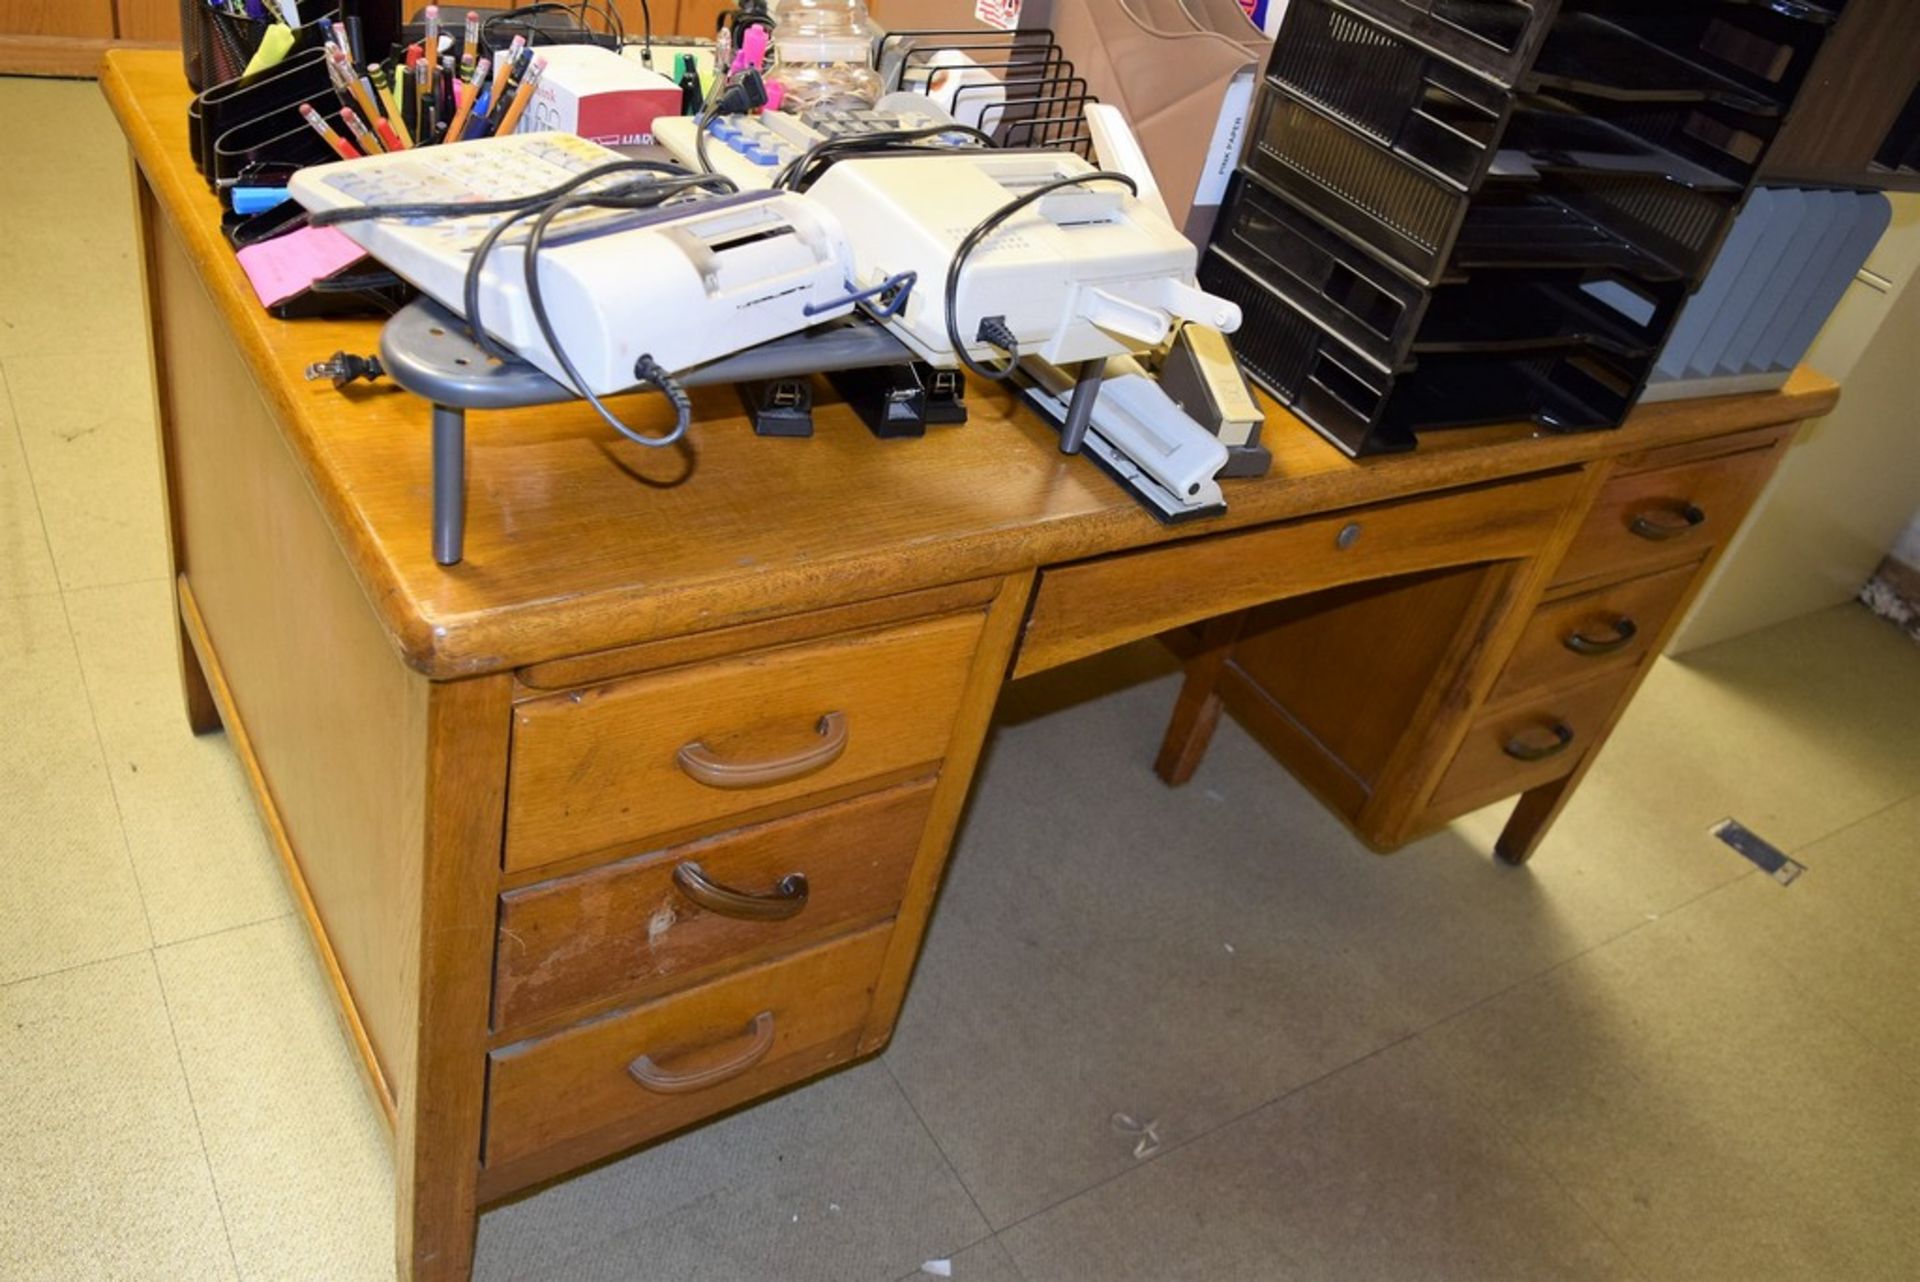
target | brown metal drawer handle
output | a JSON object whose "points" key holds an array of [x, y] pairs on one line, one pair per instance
{"points": [[786, 899], [1624, 632], [1520, 750], [662, 1082], [1691, 518], [700, 763]]}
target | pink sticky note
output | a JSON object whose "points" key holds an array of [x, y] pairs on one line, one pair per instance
{"points": [[282, 267]]}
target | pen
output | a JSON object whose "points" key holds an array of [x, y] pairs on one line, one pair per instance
{"points": [[318, 123], [522, 98], [361, 135], [428, 122], [469, 94]]}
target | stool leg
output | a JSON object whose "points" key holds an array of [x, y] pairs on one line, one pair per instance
{"points": [[1197, 714], [449, 484]]}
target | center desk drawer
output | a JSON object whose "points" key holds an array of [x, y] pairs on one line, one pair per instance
{"points": [[615, 1082], [681, 750], [645, 926], [1091, 606]]}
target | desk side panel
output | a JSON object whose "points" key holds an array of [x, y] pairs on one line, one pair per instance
{"points": [[336, 722]]}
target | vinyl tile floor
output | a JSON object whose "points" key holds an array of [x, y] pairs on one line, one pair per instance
{"points": [[1156, 1035]]}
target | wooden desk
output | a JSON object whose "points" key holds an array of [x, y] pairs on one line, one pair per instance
{"points": [[541, 809]]}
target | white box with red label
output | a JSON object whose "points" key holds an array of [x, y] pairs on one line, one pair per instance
{"points": [[599, 95]]}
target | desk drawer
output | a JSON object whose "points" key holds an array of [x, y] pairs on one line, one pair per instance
{"points": [[1583, 636], [1508, 752], [1647, 520], [683, 750], [611, 1083], [1095, 605], [645, 926]]}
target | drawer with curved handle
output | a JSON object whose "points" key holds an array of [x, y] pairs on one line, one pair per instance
{"points": [[667, 919], [1524, 746], [1672, 515], [683, 750], [1587, 634], [614, 1082]]}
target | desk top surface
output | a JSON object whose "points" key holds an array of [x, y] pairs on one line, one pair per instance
{"points": [[579, 541]]}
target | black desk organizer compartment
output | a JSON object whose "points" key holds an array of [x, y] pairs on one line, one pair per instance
{"points": [[236, 104], [1365, 409], [1744, 54], [1503, 38], [1673, 211], [1497, 38], [1704, 82], [1395, 323], [1417, 104]]}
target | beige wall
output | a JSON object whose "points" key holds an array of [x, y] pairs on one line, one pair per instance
{"points": [[1852, 482]]}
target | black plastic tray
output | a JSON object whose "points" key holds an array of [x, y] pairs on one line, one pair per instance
{"points": [[1665, 214], [1364, 409], [1497, 38], [1385, 84]]}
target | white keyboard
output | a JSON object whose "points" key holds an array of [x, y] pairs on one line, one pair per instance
{"points": [[753, 149], [484, 169]]}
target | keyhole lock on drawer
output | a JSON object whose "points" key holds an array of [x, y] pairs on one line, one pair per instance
{"points": [[1348, 536]]}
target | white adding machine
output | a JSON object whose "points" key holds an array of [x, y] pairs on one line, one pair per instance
{"points": [[1083, 280]]}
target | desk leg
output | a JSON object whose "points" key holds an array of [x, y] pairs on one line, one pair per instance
{"points": [[1531, 820], [443, 1098], [203, 714], [449, 484], [1197, 714]]}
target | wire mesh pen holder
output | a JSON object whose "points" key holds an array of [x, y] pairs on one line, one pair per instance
{"points": [[216, 46]]}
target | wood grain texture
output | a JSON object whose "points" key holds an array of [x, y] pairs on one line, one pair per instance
{"points": [[1196, 715], [578, 543], [57, 18], [562, 1100], [988, 673], [1083, 609], [598, 768], [445, 977], [157, 20], [193, 627], [1607, 547], [67, 56], [1534, 817], [652, 656], [1544, 657], [203, 715], [625, 933], [1484, 771], [1351, 665], [1862, 78], [336, 722]]}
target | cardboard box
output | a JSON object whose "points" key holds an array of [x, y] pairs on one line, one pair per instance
{"points": [[599, 95]]}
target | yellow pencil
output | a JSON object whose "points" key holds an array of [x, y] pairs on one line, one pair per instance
{"points": [[528, 83], [394, 115], [469, 94]]}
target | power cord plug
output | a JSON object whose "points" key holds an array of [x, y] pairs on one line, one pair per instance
{"points": [[994, 330], [344, 368], [743, 92]]}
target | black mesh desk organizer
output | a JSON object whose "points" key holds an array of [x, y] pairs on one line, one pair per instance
{"points": [[1454, 212]]}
